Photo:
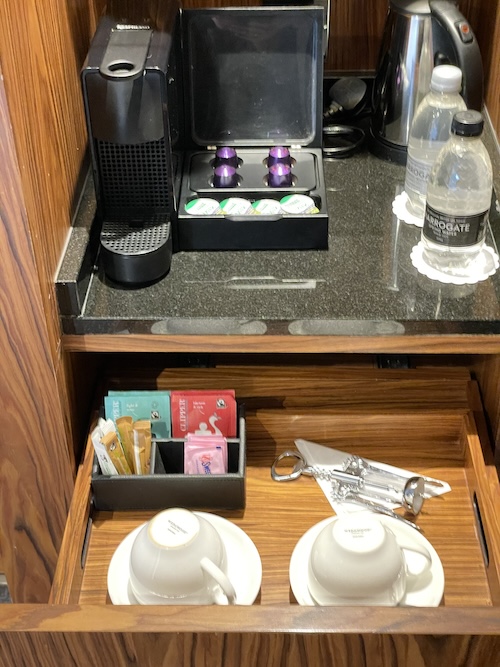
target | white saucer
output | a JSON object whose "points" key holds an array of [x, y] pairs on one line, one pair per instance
{"points": [[486, 265], [427, 591], [244, 567]]}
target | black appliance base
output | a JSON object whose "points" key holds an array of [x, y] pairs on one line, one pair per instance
{"points": [[276, 231], [136, 254], [385, 150]]}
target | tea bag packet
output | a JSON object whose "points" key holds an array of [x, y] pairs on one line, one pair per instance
{"points": [[108, 449], [105, 462], [151, 405], [206, 412], [113, 446], [142, 446], [124, 426], [205, 455]]}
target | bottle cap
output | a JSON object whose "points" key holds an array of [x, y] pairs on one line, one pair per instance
{"points": [[467, 123], [446, 79]]}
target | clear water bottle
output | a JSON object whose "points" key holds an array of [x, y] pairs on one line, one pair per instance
{"points": [[429, 132], [459, 197]]}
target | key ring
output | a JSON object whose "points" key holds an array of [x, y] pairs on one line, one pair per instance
{"points": [[300, 467]]}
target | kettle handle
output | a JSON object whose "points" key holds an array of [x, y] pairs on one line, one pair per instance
{"points": [[466, 50]]}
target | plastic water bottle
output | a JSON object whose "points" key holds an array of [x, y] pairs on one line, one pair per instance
{"points": [[430, 130], [459, 197]]}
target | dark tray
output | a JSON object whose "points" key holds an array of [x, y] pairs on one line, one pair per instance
{"points": [[168, 486]]}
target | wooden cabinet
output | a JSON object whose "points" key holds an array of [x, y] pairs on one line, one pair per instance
{"points": [[48, 382]]}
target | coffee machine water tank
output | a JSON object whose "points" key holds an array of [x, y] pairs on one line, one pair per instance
{"points": [[418, 35]]}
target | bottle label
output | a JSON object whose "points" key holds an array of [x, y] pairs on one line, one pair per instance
{"points": [[417, 175], [454, 230]]}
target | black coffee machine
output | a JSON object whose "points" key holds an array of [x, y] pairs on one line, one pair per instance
{"points": [[130, 94], [418, 35]]}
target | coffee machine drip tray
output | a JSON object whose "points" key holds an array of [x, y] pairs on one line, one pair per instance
{"points": [[253, 173]]}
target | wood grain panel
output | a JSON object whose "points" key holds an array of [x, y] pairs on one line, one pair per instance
{"points": [[341, 390], [431, 344], [355, 34], [271, 619], [149, 639], [67, 581], [35, 471], [484, 490], [487, 371], [42, 47], [155, 12]]}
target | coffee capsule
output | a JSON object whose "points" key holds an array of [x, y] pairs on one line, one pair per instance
{"points": [[280, 176], [299, 204], [226, 155], [236, 206], [225, 177], [279, 155], [203, 206], [267, 207]]}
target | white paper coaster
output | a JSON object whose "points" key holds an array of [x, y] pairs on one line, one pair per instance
{"points": [[485, 266], [400, 208]]}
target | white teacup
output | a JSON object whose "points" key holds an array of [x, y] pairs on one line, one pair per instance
{"points": [[357, 560], [178, 557]]}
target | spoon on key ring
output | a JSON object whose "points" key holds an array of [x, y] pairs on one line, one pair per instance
{"points": [[411, 497], [343, 494]]}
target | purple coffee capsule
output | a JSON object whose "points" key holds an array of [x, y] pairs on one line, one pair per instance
{"points": [[280, 176], [226, 155], [225, 177], [279, 155]]}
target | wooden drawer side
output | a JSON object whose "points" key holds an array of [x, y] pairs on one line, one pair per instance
{"points": [[68, 576], [484, 488]]}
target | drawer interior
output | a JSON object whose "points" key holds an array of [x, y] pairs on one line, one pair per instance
{"points": [[428, 421]]}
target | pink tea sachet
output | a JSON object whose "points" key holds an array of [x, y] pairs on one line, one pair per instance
{"points": [[205, 455]]}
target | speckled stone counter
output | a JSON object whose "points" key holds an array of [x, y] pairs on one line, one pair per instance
{"points": [[364, 284]]}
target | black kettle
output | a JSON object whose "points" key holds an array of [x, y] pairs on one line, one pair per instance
{"points": [[418, 35]]}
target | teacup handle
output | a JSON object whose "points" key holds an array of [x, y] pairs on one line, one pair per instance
{"points": [[216, 573], [418, 549]]}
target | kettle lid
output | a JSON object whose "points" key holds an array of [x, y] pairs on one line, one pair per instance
{"points": [[411, 6]]}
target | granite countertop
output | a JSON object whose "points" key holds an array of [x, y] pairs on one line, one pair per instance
{"points": [[364, 284]]}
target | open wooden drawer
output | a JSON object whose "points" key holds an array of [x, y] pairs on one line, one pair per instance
{"points": [[427, 420]]}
